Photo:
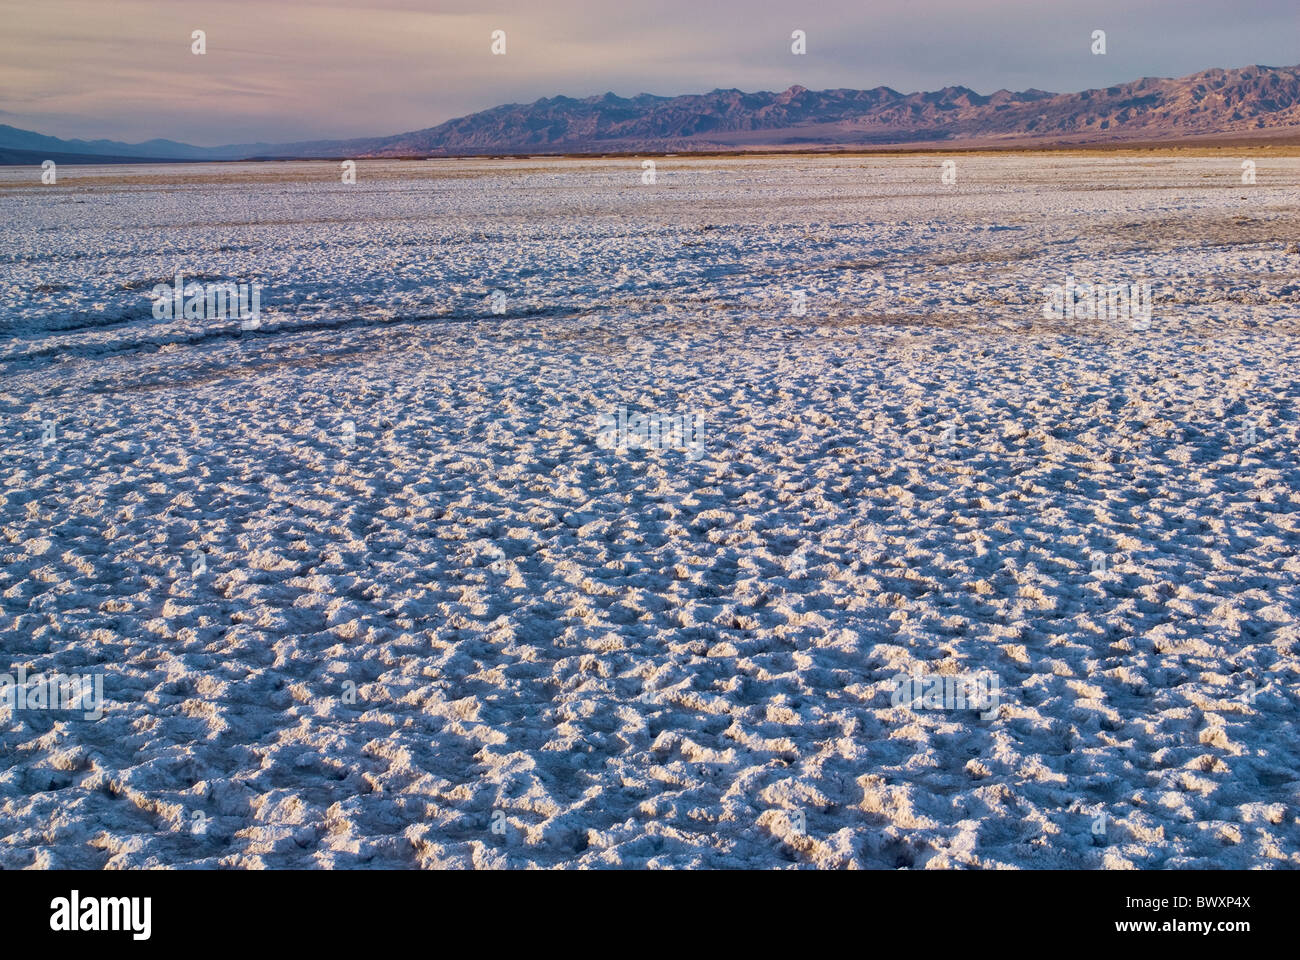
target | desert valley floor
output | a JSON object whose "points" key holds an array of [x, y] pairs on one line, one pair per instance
{"points": [[366, 589]]}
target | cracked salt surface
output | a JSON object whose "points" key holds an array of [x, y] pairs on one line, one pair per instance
{"points": [[462, 612]]}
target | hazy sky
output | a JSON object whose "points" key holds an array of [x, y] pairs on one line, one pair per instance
{"points": [[281, 70]]}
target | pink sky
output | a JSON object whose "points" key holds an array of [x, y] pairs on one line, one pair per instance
{"points": [[304, 69]]}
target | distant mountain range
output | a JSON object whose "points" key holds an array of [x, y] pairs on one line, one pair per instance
{"points": [[1246, 103]]}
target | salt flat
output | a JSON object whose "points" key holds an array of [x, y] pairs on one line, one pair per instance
{"points": [[366, 589]]}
